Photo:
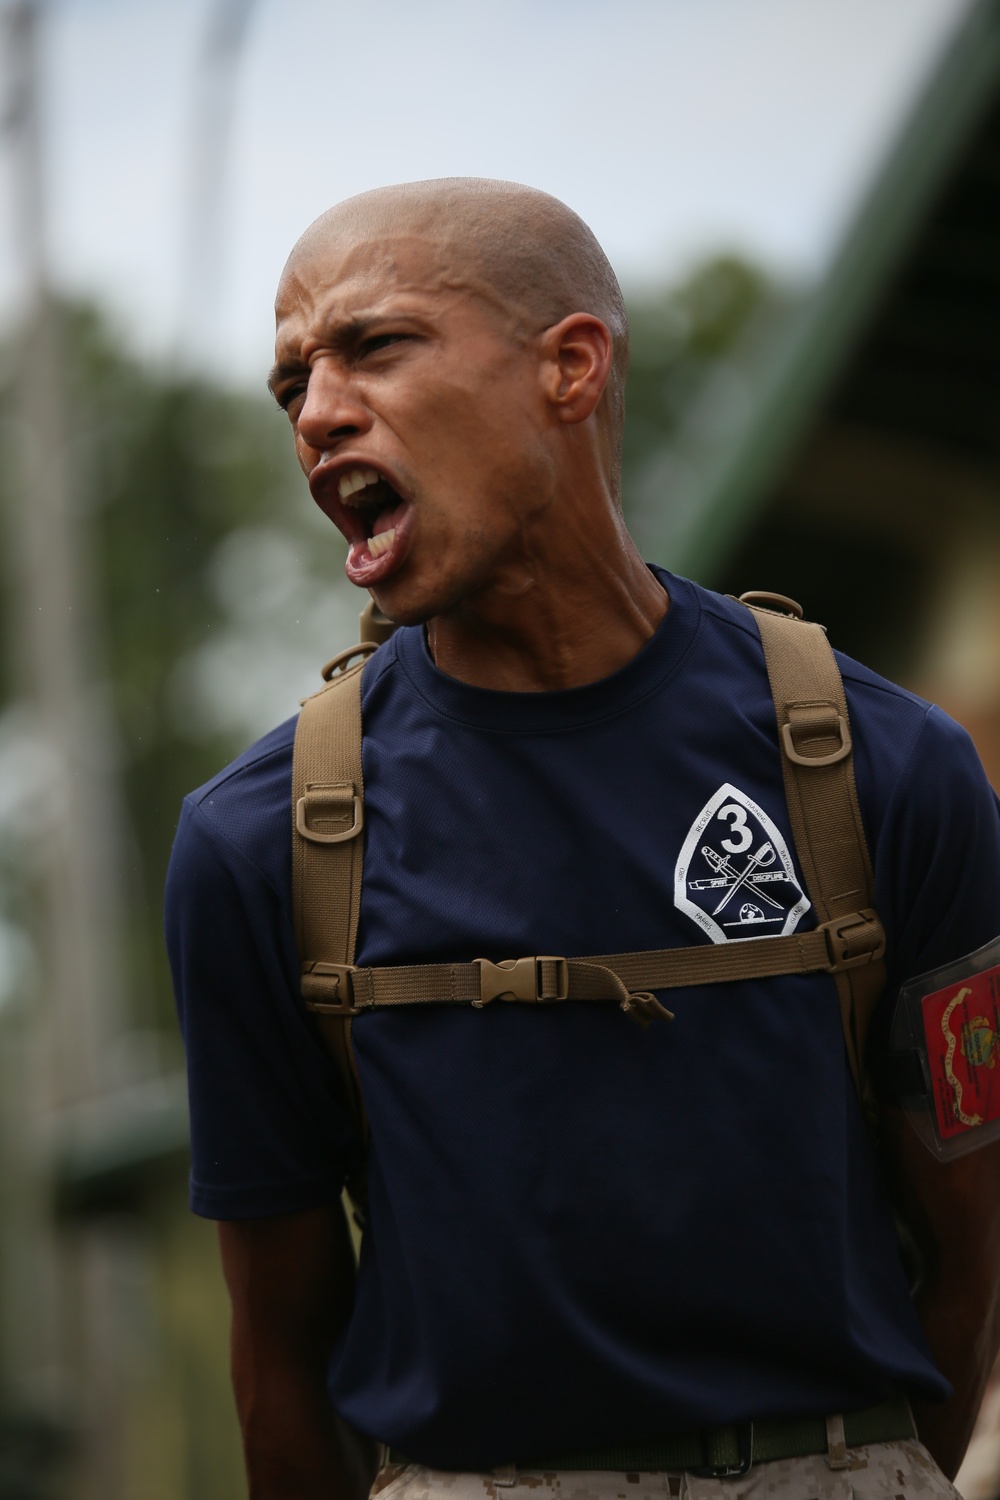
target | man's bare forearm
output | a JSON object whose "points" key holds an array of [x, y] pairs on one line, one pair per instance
{"points": [[295, 1447], [291, 1283], [953, 1211], [963, 1342], [291, 1445]]}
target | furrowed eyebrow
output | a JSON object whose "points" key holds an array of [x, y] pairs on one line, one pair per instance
{"points": [[346, 336], [283, 372], [350, 334]]}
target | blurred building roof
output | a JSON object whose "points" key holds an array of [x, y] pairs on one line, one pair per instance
{"points": [[876, 410]]}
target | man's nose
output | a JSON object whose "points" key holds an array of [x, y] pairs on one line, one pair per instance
{"points": [[333, 408]]}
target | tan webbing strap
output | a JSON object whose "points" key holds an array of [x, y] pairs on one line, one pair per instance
{"points": [[328, 844], [814, 732], [342, 990], [817, 765]]}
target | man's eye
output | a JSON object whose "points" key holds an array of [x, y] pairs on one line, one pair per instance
{"points": [[379, 341], [291, 398]]}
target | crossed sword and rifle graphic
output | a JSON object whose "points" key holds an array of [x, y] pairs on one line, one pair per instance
{"points": [[729, 879]]}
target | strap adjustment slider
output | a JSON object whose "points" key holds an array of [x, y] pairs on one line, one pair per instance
{"points": [[316, 982], [337, 806], [522, 979], [815, 721], [853, 940]]}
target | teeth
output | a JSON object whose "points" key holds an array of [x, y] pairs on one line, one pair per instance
{"points": [[381, 543], [356, 479]]}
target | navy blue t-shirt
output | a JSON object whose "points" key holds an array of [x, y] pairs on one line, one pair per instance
{"points": [[580, 1232]]}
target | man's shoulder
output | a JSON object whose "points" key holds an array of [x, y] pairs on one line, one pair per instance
{"points": [[722, 611], [903, 731], [260, 759], [866, 689], [244, 808], [897, 735], [264, 766], [249, 800]]}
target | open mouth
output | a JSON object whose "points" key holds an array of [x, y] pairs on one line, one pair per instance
{"points": [[372, 515], [374, 504]]}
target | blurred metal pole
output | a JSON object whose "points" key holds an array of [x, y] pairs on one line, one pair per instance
{"points": [[207, 168], [53, 641], [73, 1021]]}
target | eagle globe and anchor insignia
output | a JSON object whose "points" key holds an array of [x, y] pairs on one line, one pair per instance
{"points": [[734, 875]]}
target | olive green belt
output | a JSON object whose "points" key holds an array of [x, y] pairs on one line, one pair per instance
{"points": [[731, 1450]]}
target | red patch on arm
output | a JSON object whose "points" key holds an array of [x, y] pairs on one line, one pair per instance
{"points": [[962, 1029]]}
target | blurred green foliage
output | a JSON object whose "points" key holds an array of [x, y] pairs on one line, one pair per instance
{"points": [[679, 337], [33, 1454]]}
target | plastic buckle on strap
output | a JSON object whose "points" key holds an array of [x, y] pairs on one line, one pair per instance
{"points": [[843, 750], [744, 1448], [858, 938], [341, 974], [819, 720], [778, 604], [339, 663], [520, 979], [329, 804]]}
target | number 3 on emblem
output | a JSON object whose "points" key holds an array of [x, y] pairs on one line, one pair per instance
{"points": [[740, 836]]}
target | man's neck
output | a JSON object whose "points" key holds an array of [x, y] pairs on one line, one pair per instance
{"points": [[561, 628]]}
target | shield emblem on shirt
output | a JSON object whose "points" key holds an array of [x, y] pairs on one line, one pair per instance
{"points": [[734, 875]]}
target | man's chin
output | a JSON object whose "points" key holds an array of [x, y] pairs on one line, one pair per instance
{"points": [[406, 599], [401, 604]]}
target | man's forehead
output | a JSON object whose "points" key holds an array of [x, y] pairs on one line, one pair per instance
{"points": [[350, 263], [356, 261], [357, 273]]}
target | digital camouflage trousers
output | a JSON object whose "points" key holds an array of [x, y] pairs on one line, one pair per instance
{"points": [[881, 1471]]}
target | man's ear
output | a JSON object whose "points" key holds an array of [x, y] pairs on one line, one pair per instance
{"points": [[576, 357]]}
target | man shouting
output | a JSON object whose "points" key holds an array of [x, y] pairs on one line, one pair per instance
{"points": [[598, 1258]]}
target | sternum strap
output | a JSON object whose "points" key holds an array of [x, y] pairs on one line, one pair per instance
{"points": [[629, 978]]}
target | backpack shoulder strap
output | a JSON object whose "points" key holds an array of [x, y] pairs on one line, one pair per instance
{"points": [[328, 801], [328, 846], [817, 766]]}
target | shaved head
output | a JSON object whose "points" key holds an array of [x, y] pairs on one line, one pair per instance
{"points": [[523, 251]]}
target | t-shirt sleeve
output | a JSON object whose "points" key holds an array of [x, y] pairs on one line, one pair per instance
{"points": [[269, 1132], [937, 861]]}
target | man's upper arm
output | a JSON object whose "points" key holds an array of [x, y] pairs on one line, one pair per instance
{"points": [[269, 1134], [937, 854], [938, 886], [291, 1280]]}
